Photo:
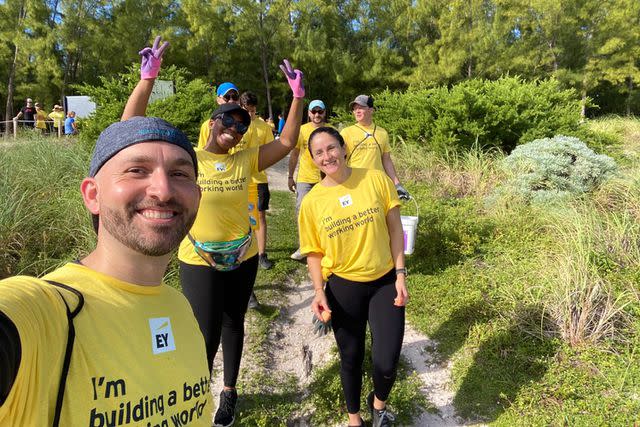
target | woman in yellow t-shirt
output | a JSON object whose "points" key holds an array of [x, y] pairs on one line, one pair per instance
{"points": [[218, 259], [351, 232], [41, 117]]}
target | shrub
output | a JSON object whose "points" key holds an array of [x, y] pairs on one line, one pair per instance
{"points": [[192, 103], [502, 113], [551, 169]]}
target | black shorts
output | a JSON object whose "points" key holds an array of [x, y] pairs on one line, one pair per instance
{"points": [[264, 195]]}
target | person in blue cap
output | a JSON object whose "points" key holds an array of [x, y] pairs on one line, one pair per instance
{"points": [[227, 92]]}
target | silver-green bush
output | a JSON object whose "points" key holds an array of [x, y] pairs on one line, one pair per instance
{"points": [[552, 169]]}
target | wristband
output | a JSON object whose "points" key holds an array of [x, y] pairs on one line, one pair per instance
{"points": [[401, 271]]}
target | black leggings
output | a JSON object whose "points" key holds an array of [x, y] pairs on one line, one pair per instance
{"points": [[219, 301], [352, 305]]}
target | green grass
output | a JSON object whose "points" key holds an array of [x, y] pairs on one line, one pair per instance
{"points": [[536, 306]]}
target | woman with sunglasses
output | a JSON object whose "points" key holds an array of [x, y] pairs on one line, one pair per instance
{"points": [[227, 92], [218, 259], [351, 233]]}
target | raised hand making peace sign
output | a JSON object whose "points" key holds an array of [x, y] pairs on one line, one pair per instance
{"points": [[151, 59], [294, 77]]}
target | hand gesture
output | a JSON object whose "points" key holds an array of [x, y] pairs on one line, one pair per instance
{"points": [[294, 77], [151, 59]]}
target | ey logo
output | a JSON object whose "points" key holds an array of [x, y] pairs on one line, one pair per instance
{"points": [[221, 167], [345, 201], [161, 335]]}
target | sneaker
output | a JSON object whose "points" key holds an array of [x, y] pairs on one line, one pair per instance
{"points": [[297, 256], [264, 262], [253, 301], [226, 413], [379, 418]]}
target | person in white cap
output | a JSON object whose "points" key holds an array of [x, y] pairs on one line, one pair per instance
{"points": [[28, 112], [308, 172], [368, 144]]}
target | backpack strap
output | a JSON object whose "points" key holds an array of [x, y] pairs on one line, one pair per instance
{"points": [[71, 335], [366, 135]]}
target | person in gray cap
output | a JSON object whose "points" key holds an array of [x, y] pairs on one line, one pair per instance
{"points": [[91, 341], [368, 144], [219, 258]]}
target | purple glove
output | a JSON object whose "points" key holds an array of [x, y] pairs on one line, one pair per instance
{"points": [[294, 77], [151, 59]]}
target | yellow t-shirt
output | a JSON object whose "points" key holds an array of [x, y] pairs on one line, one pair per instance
{"points": [[222, 215], [138, 356], [204, 134], [347, 225], [365, 146], [41, 116], [57, 117], [308, 172], [259, 133]]}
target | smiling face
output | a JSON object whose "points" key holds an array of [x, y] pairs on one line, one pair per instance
{"points": [[327, 153], [225, 137], [317, 116], [146, 197]]}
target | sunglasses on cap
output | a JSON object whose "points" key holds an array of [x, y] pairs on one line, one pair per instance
{"points": [[231, 96], [317, 111], [228, 121]]}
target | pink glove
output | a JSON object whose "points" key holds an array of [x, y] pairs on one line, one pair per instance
{"points": [[294, 77], [151, 59]]}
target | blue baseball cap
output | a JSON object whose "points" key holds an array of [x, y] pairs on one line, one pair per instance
{"points": [[316, 103], [226, 87]]}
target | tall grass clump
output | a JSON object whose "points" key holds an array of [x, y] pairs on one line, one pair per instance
{"points": [[43, 222], [554, 169]]}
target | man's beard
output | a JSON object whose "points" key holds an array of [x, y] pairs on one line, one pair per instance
{"points": [[151, 240]]}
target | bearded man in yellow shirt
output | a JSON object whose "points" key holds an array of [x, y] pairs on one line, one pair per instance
{"points": [[101, 341], [368, 144]]}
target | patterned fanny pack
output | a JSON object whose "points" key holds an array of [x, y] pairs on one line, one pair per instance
{"points": [[223, 256]]}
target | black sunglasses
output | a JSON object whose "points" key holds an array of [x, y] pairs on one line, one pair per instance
{"points": [[232, 95], [228, 121], [317, 111]]}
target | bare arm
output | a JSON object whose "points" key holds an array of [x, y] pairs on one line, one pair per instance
{"points": [[277, 149], [319, 303], [138, 100], [387, 164], [397, 253], [293, 161]]}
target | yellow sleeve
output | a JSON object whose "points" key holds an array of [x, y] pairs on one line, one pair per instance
{"points": [[384, 141], [204, 134], [309, 239]]}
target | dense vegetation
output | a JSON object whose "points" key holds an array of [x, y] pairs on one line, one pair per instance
{"points": [[345, 47]]}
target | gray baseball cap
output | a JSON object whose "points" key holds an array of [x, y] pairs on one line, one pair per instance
{"points": [[362, 100], [121, 135]]}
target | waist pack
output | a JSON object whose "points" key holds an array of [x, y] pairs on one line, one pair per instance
{"points": [[223, 256]]}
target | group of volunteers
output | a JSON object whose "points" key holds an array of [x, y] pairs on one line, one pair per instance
{"points": [[101, 341], [34, 116]]}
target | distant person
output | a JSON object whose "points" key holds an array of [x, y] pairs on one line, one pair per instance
{"points": [[27, 113], [227, 92], [281, 122], [41, 118], [308, 172], [368, 144], [70, 125], [271, 125], [57, 115]]}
